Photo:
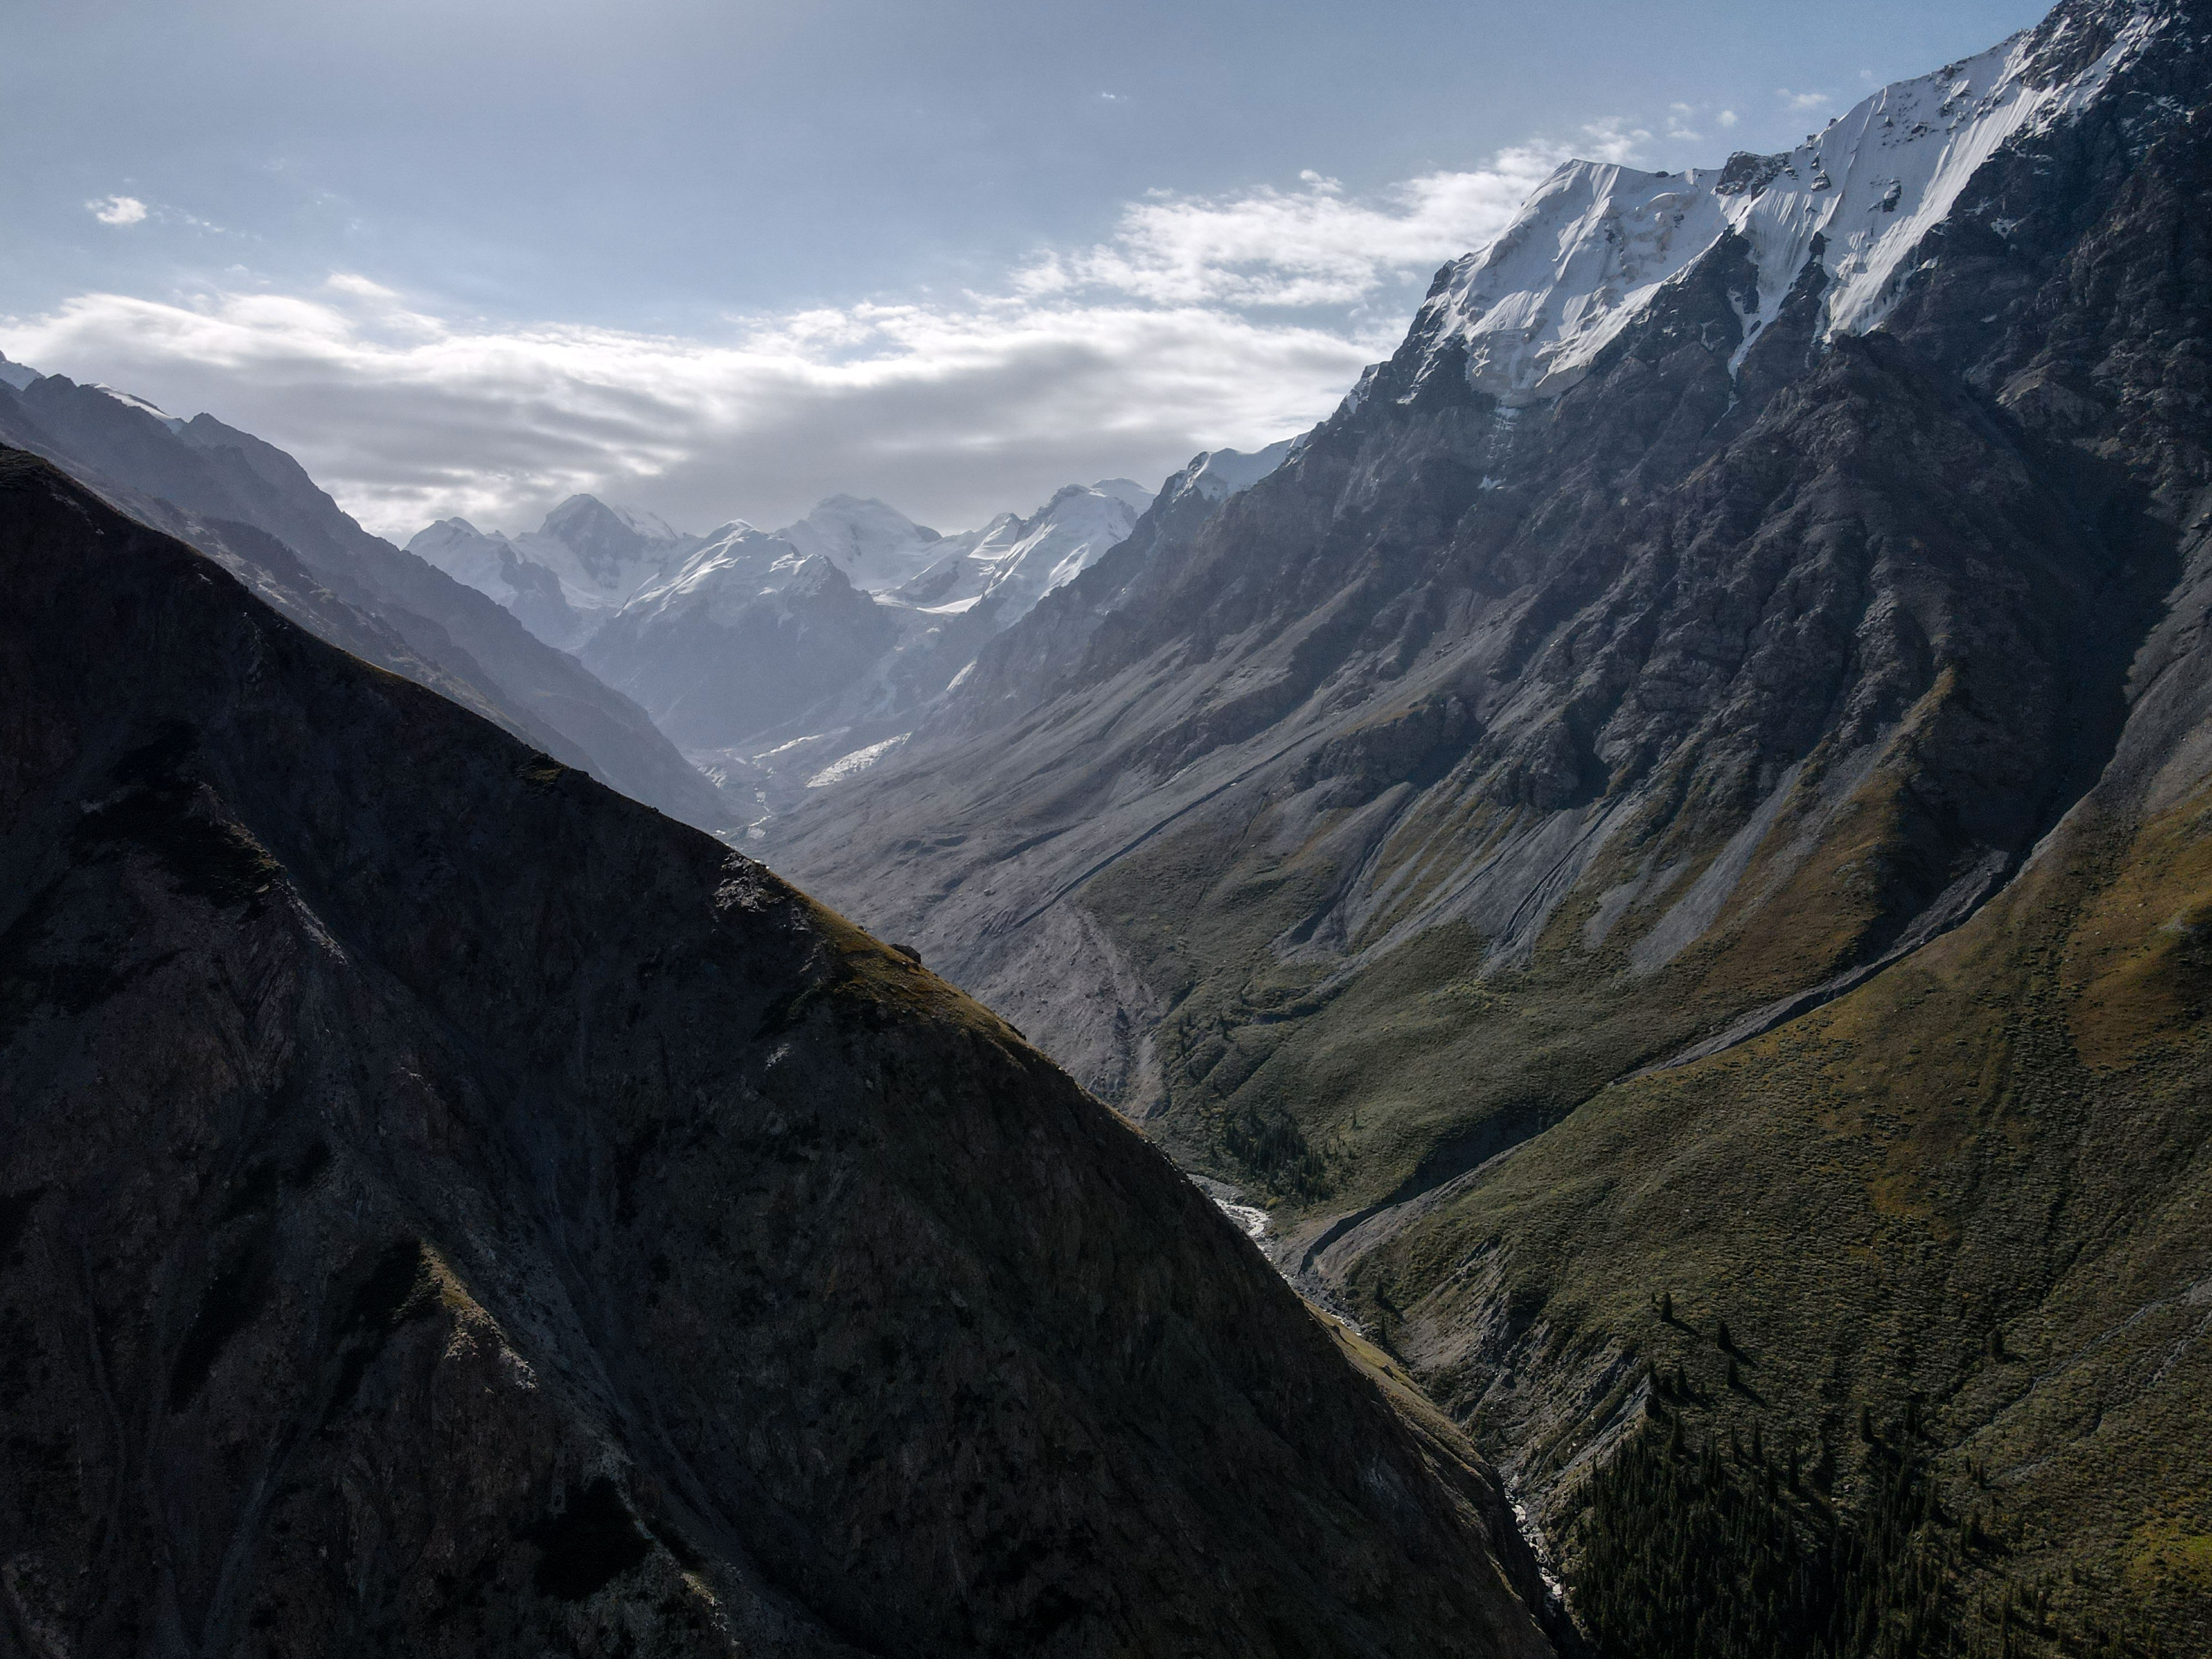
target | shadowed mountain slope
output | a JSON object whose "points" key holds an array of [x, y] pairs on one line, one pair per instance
{"points": [[251, 507], [445, 1207], [1586, 701]]}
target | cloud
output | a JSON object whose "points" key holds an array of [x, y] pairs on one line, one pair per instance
{"points": [[347, 282], [1726, 118], [1294, 249], [1613, 140], [1202, 321], [1802, 102], [955, 413], [129, 210]]}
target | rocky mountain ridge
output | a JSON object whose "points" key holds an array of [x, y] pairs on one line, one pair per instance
{"points": [[448, 1209], [1646, 675]]}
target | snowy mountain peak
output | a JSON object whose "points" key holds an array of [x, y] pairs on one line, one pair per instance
{"points": [[1126, 490], [1015, 561], [1594, 247], [876, 545], [567, 576], [1218, 474], [603, 555], [736, 564], [596, 530]]}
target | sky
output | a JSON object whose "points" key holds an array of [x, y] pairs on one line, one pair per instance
{"points": [[719, 258]]}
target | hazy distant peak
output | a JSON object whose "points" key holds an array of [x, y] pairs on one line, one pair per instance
{"points": [[1218, 474], [455, 525], [17, 375], [876, 546], [1128, 491], [588, 514]]}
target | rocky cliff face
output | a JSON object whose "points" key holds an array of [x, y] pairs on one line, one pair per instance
{"points": [[445, 1207], [1677, 638]]}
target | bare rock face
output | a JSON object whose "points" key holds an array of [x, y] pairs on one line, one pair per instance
{"points": [[447, 1209]]}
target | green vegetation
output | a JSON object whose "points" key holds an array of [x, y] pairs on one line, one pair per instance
{"points": [[1982, 1182]]}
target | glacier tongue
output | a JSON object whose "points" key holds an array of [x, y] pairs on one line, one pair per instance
{"points": [[1596, 243]]}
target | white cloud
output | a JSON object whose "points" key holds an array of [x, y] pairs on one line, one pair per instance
{"points": [[117, 210], [1801, 102], [1315, 246], [1613, 140], [1201, 322], [954, 413], [347, 282], [1726, 118]]}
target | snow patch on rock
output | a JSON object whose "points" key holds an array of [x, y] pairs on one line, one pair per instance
{"points": [[852, 765]]}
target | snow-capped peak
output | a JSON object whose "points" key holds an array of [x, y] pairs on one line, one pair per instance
{"points": [[1125, 490], [567, 576], [585, 515], [602, 554], [1218, 474], [875, 544], [1015, 561], [1595, 245]]}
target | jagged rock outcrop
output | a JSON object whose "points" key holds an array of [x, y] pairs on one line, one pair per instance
{"points": [[447, 1209]]}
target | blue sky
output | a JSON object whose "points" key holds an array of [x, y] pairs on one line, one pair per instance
{"points": [[718, 259]]}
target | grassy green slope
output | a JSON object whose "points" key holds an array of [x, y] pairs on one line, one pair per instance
{"points": [[1979, 1183]]}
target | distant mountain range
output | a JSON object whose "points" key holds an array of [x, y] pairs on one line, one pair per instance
{"points": [[772, 656], [712, 676]]}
